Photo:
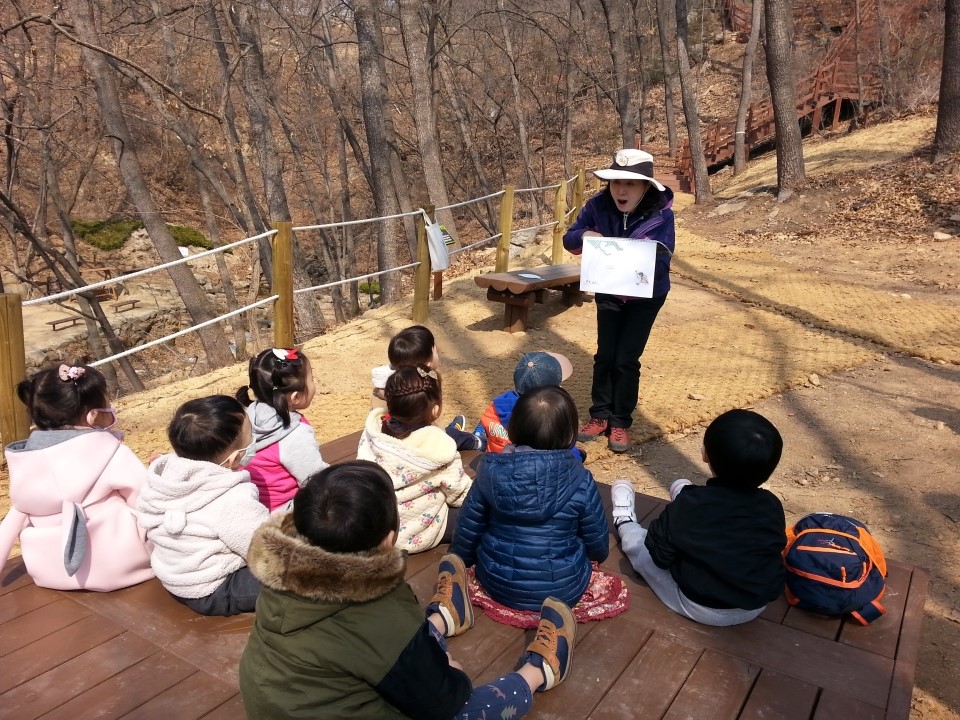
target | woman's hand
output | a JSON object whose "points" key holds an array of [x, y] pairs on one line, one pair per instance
{"points": [[591, 233]]}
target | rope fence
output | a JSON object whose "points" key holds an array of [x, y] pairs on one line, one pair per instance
{"points": [[139, 273], [473, 245], [300, 291], [345, 223], [537, 189], [470, 202], [185, 331]]}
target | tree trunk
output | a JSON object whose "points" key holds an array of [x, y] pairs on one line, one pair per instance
{"points": [[701, 180], [518, 115], [740, 150], [664, 23], [783, 92], [424, 113], [309, 318], [374, 105], [626, 110], [194, 299], [466, 137], [947, 137]]}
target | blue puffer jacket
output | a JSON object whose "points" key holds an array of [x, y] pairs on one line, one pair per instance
{"points": [[531, 523]]}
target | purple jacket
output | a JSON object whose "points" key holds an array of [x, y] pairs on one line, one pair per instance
{"points": [[650, 221]]}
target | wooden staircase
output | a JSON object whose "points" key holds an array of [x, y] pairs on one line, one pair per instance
{"points": [[834, 80]]}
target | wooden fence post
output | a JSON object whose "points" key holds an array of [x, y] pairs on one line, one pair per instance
{"points": [[578, 190], [14, 420], [421, 283], [506, 228], [560, 216], [282, 246]]}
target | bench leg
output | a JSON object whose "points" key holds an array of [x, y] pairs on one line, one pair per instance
{"points": [[514, 318], [572, 297]]}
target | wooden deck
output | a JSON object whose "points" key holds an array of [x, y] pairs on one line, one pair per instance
{"points": [[137, 653]]}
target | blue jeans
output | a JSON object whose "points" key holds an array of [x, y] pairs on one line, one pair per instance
{"points": [[623, 328], [508, 696]]}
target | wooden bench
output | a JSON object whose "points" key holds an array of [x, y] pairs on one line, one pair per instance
{"points": [[66, 321], [519, 290], [137, 653], [124, 305]]}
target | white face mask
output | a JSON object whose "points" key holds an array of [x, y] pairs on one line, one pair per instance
{"points": [[248, 453]]}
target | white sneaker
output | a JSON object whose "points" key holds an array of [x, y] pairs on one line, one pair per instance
{"points": [[624, 502]]}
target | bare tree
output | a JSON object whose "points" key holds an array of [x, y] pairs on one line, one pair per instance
{"points": [[746, 87], [783, 93], [947, 137], [701, 180], [374, 104], [194, 299], [310, 320], [420, 62], [664, 23], [626, 108]]}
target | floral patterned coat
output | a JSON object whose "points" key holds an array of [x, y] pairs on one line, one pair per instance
{"points": [[427, 476]]}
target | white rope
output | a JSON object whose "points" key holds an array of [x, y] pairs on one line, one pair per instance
{"points": [[473, 245], [570, 180], [344, 223], [545, 187], [180, 333], [354, 279], [534, 227], [468, 202], [138, 273]]}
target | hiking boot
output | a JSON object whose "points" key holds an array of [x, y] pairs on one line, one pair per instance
{"points": [[624, 502], [552, 648], [592, 430], [452, 600], [619, 441]]}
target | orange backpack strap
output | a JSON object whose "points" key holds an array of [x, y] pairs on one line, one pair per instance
{"points": [[872, 548]]}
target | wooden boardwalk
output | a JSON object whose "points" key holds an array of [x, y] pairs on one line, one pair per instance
{"points": [[137, 653]]}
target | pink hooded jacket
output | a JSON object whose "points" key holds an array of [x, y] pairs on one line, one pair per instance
{"points": [[73, 506]]}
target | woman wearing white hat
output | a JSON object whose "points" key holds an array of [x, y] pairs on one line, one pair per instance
{"points": [[633, 205]]}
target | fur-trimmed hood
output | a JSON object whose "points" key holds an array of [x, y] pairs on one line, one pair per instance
{"points": [[285, 561]]}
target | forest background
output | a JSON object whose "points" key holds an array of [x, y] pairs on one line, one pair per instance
{"points": [[224, 117]]}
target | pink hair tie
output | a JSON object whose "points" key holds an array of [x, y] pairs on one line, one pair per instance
{"points": [[70, 372]]}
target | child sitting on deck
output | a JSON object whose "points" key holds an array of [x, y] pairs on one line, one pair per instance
{"points": [[533, 520], [340, 634], [200, 511], [286, 447], [421, 459], [411, 347], [713, 554], [74, 487], [533, 370]]}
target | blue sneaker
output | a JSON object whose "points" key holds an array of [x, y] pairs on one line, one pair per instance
{"points": [[552, 648], [452, 599]]}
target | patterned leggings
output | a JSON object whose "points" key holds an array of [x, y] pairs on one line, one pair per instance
{"points": [[507, 698]]}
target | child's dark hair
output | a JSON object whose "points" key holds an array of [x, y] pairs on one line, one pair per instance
{"points": [[411, 346], [544, 418], [62, 395], [274, 374], [205, 428], [347, 508], [743, 448], [411, 394]]}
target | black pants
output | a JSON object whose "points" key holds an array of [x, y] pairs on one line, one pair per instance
{"points": [[622, 331], [237, 594]]}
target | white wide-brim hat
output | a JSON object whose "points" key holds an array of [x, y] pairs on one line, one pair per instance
{"points": [[630, 164]]}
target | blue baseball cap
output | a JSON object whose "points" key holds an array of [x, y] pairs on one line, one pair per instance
{"points": [[540, 368]]}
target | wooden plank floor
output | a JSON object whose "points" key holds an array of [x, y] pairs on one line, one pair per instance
{"points": [[137, 653]]}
